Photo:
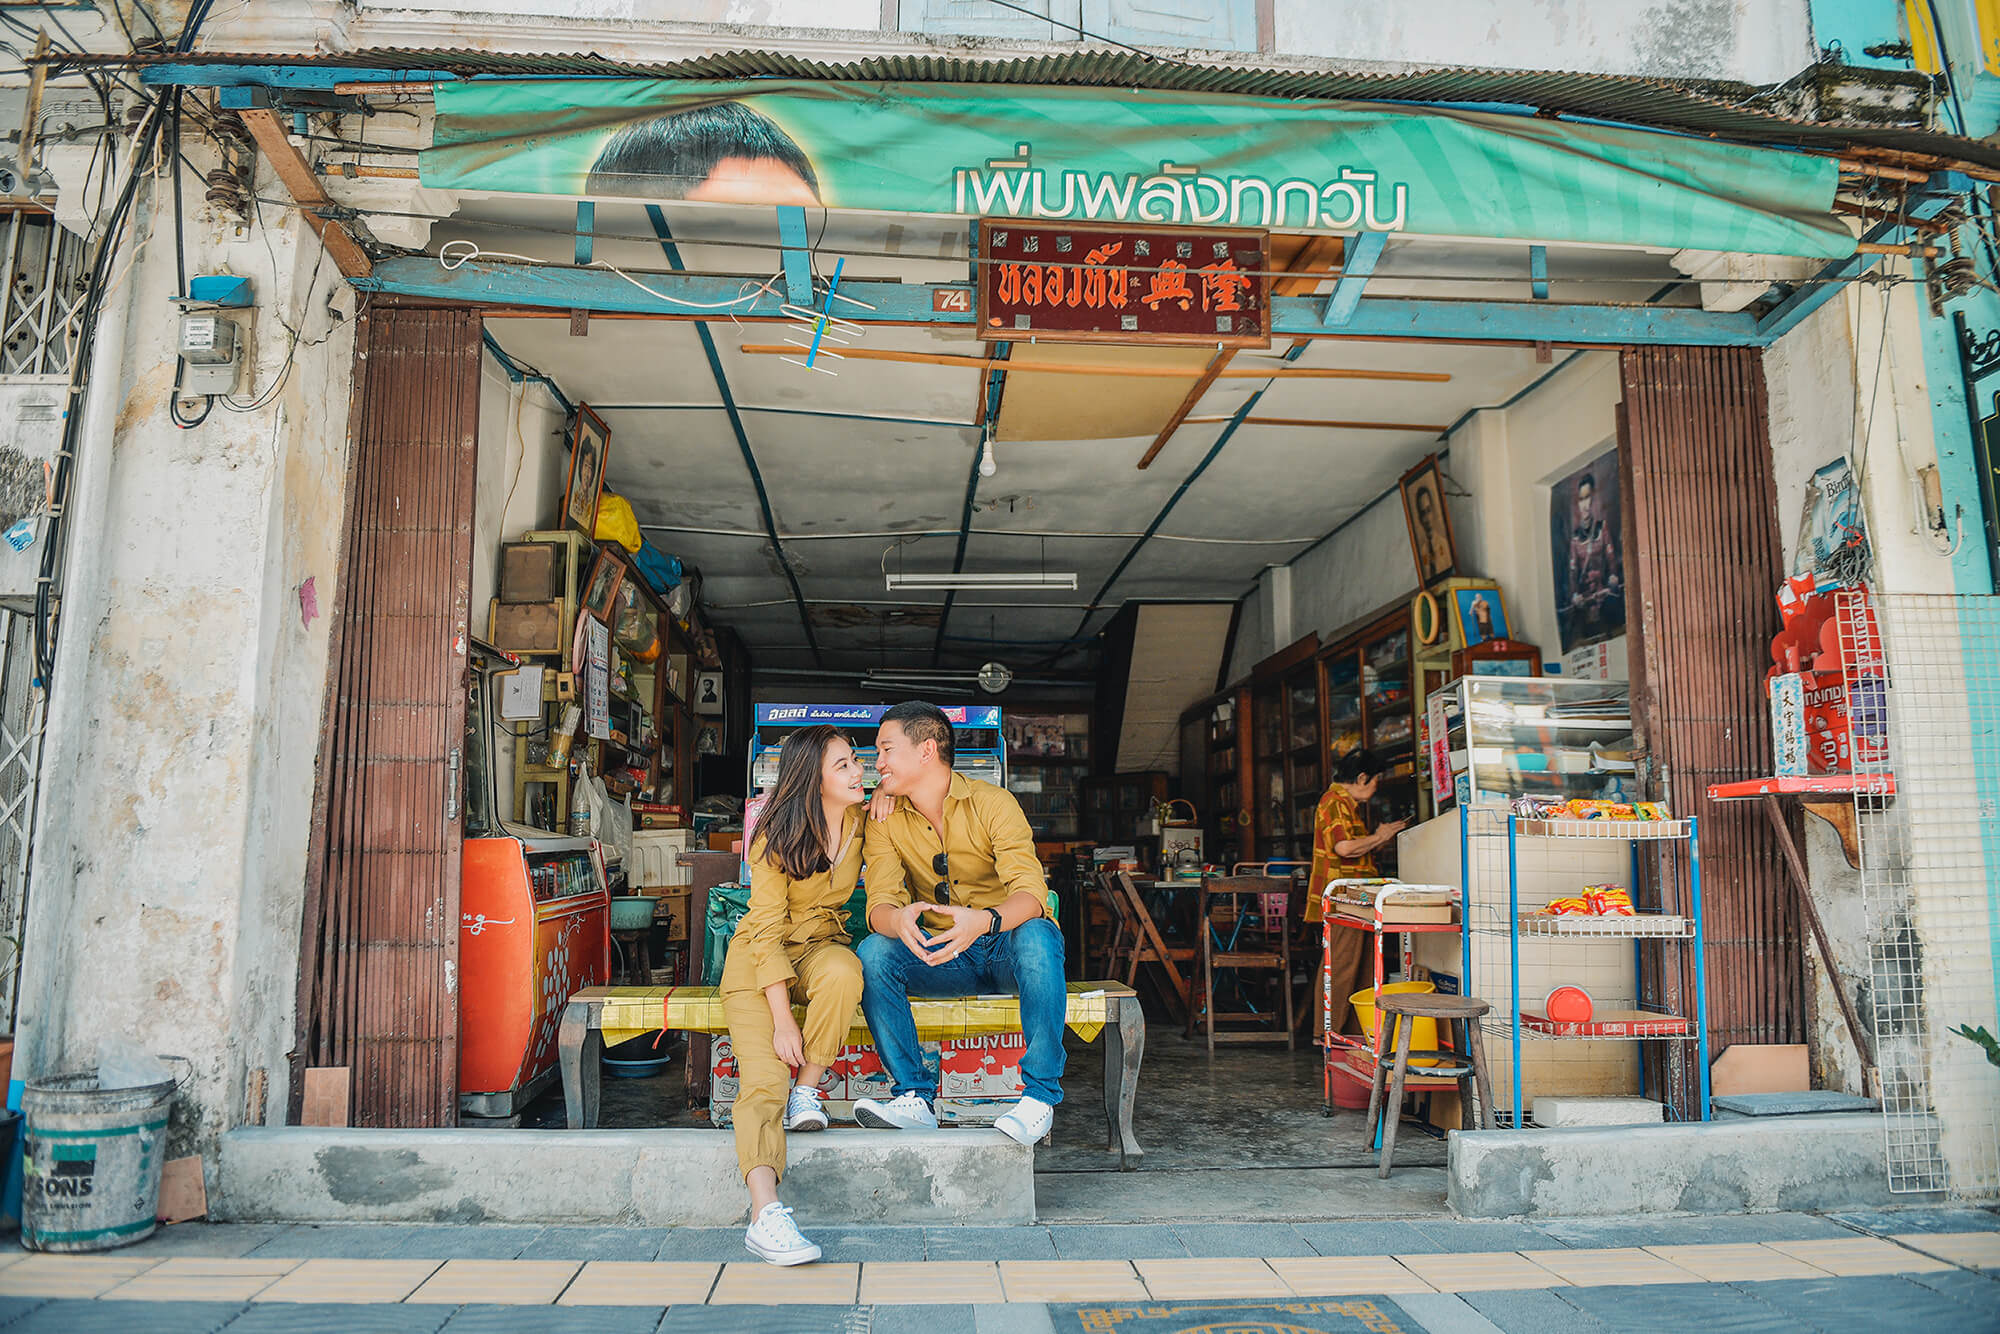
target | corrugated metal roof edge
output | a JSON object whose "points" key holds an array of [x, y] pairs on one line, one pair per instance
{"points": [[1704, 107]]}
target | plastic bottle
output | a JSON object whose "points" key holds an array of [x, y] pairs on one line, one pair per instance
{"points": [[579, 808]]}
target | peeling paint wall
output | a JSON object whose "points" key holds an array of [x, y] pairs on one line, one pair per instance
{"points": [[177, 788]]}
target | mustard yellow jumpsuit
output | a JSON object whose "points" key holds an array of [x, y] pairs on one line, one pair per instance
{"points": [[795, 931]]}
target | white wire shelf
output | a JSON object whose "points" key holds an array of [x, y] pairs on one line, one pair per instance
{"points": [[1615, 1027], [1640, 926], [1605, 829]]}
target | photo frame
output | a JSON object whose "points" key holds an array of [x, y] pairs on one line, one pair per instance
{"points": [[1428, 517], [708, 693], [1478, 614], [589, 452], [600, 590], [1498, 657]]}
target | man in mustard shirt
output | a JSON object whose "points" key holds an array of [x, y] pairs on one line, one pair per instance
{"points": [[959, 907]]}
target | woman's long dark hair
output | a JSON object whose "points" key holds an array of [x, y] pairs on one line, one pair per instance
{"points": [[793, 828]]}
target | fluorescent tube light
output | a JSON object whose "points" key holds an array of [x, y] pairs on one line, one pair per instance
{"points": [[954, 582]]}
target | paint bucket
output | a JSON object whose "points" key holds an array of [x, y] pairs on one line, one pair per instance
{"points": [[1423, 1031], [91, 1170]]}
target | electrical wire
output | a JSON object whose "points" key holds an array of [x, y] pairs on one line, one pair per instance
{"points": [[473, 251]]}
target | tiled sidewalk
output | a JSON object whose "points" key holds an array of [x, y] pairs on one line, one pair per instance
{"points": [[1942, 1266]]}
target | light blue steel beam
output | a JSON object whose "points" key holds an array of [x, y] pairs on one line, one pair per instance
{"points": [[798, 264], [1355, 266], [1538, 272]]}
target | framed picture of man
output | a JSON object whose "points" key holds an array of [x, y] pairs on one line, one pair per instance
{"points": [[1430, 522], [1588, 554], [1480, 613], [589, 447]]}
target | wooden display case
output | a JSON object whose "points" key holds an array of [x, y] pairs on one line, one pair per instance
{"points": [[1217, 784], [1370, 702], [1118, 808], [1288, 769]]}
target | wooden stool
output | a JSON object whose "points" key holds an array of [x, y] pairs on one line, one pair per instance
{"points": [[1466, 1062], [635, 948]]}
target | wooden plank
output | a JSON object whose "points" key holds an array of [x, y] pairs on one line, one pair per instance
{"points": [[296, 174], [1074, 368], [183, 1192], [328, 1096]]}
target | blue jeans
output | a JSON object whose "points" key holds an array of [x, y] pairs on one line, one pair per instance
{"points": [[1025, 962]]}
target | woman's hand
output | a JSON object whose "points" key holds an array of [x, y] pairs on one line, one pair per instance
{"points": [[789, 1043], [880, 805]]}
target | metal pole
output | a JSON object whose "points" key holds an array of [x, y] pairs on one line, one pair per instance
{"points": [[1700, 960], [1514, 950]]}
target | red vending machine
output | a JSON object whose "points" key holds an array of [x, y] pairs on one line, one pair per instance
{"points": [[534, 928]]}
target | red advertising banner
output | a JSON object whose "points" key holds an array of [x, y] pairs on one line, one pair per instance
{"points": [[1068, 284]]}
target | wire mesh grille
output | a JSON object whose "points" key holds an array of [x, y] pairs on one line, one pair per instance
{"points": [[1922, 678], [45, 279]]}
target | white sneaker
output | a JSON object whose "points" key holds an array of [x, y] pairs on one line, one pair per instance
{"points": [[908, 1111], [803, 1110], [775, 1237], [1027, 1121]]}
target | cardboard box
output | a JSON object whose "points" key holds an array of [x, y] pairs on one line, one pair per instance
{"points": [[988, 1066], [723, 1078], [862, 1070]]}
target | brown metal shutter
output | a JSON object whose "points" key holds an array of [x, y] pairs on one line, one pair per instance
{"points": [[1703, 558], [377, 976]]}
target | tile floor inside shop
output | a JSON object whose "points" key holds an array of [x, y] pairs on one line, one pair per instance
{"points": [[1251, 1107], [1935, 1269]]}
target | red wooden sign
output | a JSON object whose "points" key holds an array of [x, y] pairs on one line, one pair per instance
{"points": [[1068, 284]]}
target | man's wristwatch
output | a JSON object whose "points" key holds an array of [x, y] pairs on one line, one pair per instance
{"points": [[998, 925]]}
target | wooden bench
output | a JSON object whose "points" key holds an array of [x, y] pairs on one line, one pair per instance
{"points": [[597, 1015]]}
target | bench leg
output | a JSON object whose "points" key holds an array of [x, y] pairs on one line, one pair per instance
{"points": [[1124, 1049], [579, 1045]]}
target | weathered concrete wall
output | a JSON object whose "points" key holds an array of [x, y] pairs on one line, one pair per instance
{"points": [[648, 1178], [176, 794]]}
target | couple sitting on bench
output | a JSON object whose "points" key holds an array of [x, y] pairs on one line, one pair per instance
{"points": [[957, 905]]}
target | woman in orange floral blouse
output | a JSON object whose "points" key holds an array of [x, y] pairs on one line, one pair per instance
{"points": [[1344, 849]]}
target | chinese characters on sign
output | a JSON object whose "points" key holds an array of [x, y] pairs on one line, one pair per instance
{"points": [[1134, 285]]}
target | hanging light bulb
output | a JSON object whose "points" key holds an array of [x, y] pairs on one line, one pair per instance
{"points": [[986, 465]]}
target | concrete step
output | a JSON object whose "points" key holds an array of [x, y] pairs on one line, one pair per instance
{"points": [[304, 1174], [1742, 1165]]}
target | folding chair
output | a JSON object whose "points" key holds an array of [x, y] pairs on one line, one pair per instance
{"points": [[1149, 946]]}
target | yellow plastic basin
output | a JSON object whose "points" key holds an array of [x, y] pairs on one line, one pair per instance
{"points": [[1424, 1034]]}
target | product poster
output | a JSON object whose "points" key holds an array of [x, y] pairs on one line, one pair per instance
{"points": [[1588, 553], [1440, 745], [1141, 156], [597, 679], [1832, 531]]}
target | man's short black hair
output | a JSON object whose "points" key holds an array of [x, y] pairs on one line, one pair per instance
{"points": [[667, 156], [923, 722], [1588, 479]]}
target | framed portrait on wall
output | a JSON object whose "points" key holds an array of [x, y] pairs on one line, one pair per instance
{"points": [[600, 590], [1429, 520], [708, 692], [1479, 614], [589, 449], [1588, 554]]}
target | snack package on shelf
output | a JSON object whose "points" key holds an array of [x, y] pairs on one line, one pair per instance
{"points": [[1582, 808], [1595, 901]]}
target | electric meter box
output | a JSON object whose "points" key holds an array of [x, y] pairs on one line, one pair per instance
{"points": [[209, 353]]}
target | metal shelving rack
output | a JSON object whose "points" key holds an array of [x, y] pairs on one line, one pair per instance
{"points": [[1660, 928]]}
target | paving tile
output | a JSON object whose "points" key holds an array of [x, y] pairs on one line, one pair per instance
{"points": [[1736, 1263], [127, 1318], [1532, 1311], [755, 1282], [1452, 1236], [1866, 1305], [1018, 1318], [1337, 1276], [196, 1278], [640, 1283], [1614, 1267], [1127, 1241], [600, 1243], [349, 1281], [489, 1319], [1979, 1291], [1388, 1237], [70, 1276], [930, 1282], [374, 1241], [1190, 1280], [925, 1320], [12, 1256], [703, 1243], [1071, 1281], [497, 1282], [1894, 1222], [804, 1319], [13, 1308], [340, 1318], [1714, 1230], [1479, 1271], [1712, 1308], [988, 1243], [848, 1245], [216, 1239], [1443, 1313], [1973, 1250], [1844, 1257], [1261, 1240]]}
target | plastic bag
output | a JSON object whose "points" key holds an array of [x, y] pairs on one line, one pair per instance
{"points": [[616, 522], [125, 1064]]}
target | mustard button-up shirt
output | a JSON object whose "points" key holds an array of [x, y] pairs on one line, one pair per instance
{"points": [[785, 913], [992, 853]]}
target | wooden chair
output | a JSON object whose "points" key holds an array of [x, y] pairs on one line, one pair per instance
{"points": [[1150, 947], [1465, 1062], [1253, 910], [1117, 961]]}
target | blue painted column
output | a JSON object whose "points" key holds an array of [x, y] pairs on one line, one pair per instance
{"points": [[1951, 430]]}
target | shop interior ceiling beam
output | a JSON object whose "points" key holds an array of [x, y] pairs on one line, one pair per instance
{"points": [[1318, 256], [557, 287], [658, 217], [1834, 277], [307, 195], [1355, 270], [798, 256]]}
